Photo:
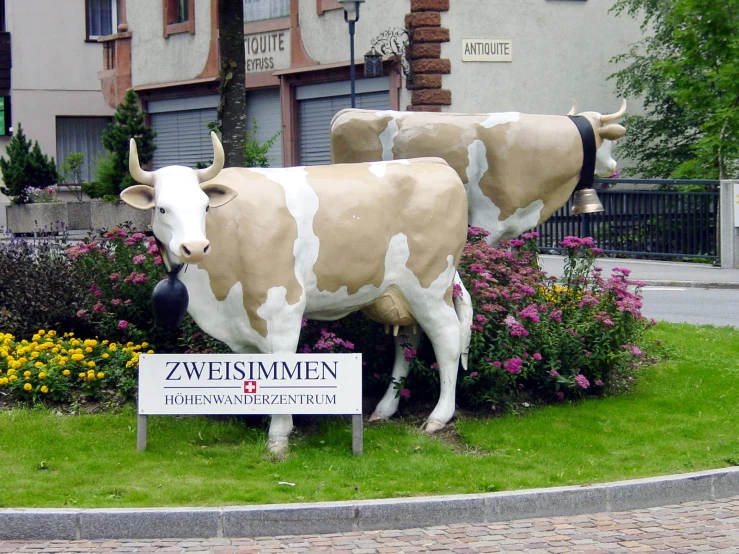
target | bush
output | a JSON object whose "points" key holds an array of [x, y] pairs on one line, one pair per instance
{"points": [[533, 339], [38, 287], [26, 166], [536, 339], [50, 369], [121, 269]]}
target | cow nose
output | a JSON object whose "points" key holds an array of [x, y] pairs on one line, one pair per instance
{"points": [[194, 251]]}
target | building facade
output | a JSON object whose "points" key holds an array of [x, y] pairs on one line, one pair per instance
{"points": [[65, 66], [535, 56], [49, 63]]}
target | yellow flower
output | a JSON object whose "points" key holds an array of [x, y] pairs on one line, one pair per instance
{"points": [[105, 342], [144, 344], [27, 387], [12, 372], [41, 332], [90, 374], [3, 380], [100, 375], [36, 337], [90, 364], [52, 333], [105, 356], [42, 375], [44, 389], [88, 349], [26, 374], [13, 378], [150, 352], [34, 355], [38, 364], [66, 372], [82, 375], [112, 347], [78, 357]]}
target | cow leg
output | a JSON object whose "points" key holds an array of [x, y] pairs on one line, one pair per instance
{"points": [[441, 325], [463, 307], [283, 341], [389, 403]]}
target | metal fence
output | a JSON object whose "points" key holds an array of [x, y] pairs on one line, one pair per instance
{"points": [[646, 223]]}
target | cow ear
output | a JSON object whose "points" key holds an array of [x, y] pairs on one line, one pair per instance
{"points": [[140, 197], [612, 132], [218, 195]]}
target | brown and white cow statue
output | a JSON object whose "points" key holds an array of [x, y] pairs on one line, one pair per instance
{"points": [[517, 169], [266, 248]]}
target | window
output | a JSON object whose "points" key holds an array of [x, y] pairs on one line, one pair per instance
{"points": [[178, 16], [102, 18], [178, 11], [81, 134], [258, 10]]}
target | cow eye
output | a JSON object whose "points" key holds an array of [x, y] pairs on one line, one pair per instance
{"points": [[161, 210], [207, 209]]}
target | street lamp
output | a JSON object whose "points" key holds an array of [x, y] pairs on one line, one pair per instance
{"points": [[351, 16]]}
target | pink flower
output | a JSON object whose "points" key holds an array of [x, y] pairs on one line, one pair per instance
{"points": [[409, 353], [122, 324], [115, 302], [560, 395], [139, 259], [405, 393], [513, 365], [553, 373], [114, 276], [98, 308], [474, 374], [599, 383], [537, 356], [582, 381]]}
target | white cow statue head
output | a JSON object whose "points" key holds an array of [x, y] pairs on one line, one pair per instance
{"points": [[180, 202]]}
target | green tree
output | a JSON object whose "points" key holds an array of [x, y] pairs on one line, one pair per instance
{"points": [[686, 70], [25, 166], [112, 169]]}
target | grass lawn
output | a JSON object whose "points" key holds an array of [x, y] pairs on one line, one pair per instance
{"points": [[682, 416]]}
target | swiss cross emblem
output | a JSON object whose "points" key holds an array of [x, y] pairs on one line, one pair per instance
{"points": [[250, 387]]}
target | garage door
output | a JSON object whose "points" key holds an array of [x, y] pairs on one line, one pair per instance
{"points": [[183, 137], [317, 105]]}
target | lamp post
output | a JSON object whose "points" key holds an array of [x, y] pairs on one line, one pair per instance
{"points": [[351, 16]]}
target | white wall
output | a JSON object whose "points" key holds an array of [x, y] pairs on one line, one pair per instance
{"points": [[155, 59], [561, 52]]}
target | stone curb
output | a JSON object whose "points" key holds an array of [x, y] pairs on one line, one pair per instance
{"points": [[365, 515], [691, 284]]}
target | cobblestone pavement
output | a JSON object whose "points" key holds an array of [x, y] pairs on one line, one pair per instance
{"points": [[706, 526]]}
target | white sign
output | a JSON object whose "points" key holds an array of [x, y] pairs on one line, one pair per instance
{"points": [[181, 384], [486, 50], [736, 204]]}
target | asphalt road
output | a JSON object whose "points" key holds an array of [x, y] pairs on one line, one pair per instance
{"points": [[692, 305]]}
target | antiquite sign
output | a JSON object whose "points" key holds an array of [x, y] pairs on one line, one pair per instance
{"points": [[247, 384], [267, 51], [486, 50]]}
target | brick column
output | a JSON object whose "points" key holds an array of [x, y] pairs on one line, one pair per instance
{"points": [[427, 34]]}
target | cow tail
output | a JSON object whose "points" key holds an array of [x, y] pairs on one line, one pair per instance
{"points": [[463, 308]]}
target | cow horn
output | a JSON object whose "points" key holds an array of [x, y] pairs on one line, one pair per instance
{"points": [[218, 160], [138, 174], [573, 109], [608, 118]]}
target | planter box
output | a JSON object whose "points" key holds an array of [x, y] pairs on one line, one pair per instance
{"points": [[74, 216]]}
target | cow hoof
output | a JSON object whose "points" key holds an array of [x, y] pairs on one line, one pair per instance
{"points": [[375, 418], [278, 447], [432, 426]]}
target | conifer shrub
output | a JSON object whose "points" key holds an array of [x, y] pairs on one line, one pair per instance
{"points": [[25, 166], [112, 174]]}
